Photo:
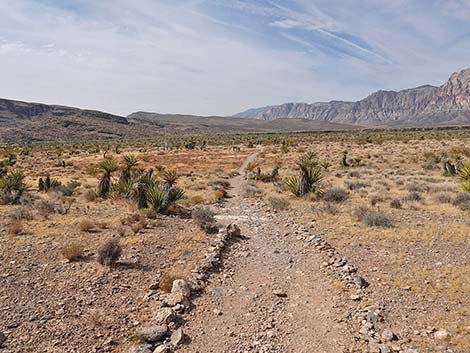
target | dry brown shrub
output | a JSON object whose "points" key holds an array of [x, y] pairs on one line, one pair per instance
{"points": [[197, 199], [86, 225], [72, 251], [15, 227], [220, 194]]}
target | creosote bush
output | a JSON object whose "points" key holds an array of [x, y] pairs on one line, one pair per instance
{"points": [[278, 204], [462, 200], [109, 253], [336, 194], [204, 218], [373, 218]]}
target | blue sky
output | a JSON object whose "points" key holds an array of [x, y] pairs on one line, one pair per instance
{"points": [[223, 56]]}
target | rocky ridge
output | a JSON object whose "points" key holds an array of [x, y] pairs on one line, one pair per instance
{"points": [[424, 105]]}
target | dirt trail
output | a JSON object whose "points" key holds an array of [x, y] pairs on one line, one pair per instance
{"points": [[270, 295]]}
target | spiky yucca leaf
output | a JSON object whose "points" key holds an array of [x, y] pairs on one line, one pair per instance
{"points": [[170, 177], [155, 197], [465, 171], [176, 194], [13, 181], [293, 184], [130, 161], [466, 185], [108, 165]]}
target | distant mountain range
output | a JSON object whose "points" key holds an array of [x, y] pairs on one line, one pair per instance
{"points": [[22, 122], [448, 104]]}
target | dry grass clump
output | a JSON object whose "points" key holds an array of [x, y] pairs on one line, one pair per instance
{"points": [[443, 197], [197, 199], [166, 281], [278, 204], [413, 196], [86, 225], [15, 227], [326, 208], [336, 194], [251, 190], [109, 253], [356, 185], [373, 218], [462, 201], [220, 194], [72, 251]]}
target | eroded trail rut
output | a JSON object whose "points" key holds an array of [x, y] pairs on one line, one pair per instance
{"points": [[270, 294]]}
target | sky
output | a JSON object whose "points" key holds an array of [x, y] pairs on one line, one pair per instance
{"points": [[220, 57]]}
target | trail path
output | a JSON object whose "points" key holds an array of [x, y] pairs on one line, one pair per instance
{"points": [[270, 294]]}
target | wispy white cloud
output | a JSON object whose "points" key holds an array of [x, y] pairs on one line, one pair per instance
{"points": [[221, 56]]}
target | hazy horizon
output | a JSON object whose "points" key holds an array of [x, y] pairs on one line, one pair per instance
{"points": [[220, 57]]}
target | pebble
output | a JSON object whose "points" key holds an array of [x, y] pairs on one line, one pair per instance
{"points": [[442, 335], [177, 337]]}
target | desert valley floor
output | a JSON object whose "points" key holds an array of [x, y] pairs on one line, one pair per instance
{"points": [[374, 258]]}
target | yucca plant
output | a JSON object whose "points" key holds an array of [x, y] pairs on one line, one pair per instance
{"points": [[310, 174], [12, 186], [130, 162], [293, 184], [465, 176], [155, 197], [170, 177], [109, 166]]}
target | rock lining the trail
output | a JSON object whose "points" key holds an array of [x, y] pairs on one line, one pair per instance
{"points": [[368, 316], [164, 333]]}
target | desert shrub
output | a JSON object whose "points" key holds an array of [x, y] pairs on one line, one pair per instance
{"points": [[395, 203], [197, 199], [72, 251], [90, 195], [220, 194], [219, 183], [336, 194], [278, 204], [86, 225], [23, 213], [462, 200], [360, 212], [251, 190], [356, 185], [15, 227], [354, 174], [109, 252], [327, 207], [413, 197], [204, 218], [375, 199], [417, 187], [443, 197], [373, 218]]}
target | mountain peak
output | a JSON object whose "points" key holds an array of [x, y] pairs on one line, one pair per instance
{"points": [[423, 105]]}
